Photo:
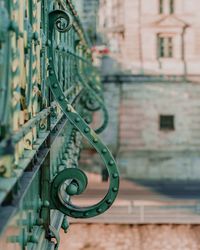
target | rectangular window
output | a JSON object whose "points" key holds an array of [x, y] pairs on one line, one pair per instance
{"points": [[161, 6], [167, 122], [171, 6], [165, 47]]}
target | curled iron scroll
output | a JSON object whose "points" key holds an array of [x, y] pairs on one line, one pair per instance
{"points": [[91, 107], [65, 206], [93, 100]]}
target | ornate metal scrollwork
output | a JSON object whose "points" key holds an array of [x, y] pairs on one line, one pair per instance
{"points": [[79, 181], [93, 102], [62, 23]]}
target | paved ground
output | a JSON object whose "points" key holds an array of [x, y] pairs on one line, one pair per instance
{"points": [[126, 237], [127, 225], [137, 204]]}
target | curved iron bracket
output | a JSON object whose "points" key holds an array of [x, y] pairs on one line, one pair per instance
{"points": [[95, 97], [66, 207]]}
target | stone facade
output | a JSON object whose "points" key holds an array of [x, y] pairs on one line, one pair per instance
{"points": [[132, 28], [144, 151], [151, 38]]}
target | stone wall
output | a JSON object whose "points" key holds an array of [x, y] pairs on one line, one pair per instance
{"points": [[143, 151]]}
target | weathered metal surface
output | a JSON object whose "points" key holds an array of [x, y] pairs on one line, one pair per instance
{"points": [[48, 92]]}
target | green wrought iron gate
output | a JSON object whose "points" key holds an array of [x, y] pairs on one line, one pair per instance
{"points": [[48, 93]]}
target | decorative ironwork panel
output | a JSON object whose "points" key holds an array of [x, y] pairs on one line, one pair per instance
{"points": [[49, 90]]}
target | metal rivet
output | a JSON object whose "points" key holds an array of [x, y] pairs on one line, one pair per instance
{"points": [[111, 163], [55, 85], [95, 140], [88, 120], [77, 119], [48, 43], [109, 201], [99, 210], [86, 130], [86, 214], [46, 203], [115, 189], [61, 98], [115, 175], [51, 72], [104, 151]]}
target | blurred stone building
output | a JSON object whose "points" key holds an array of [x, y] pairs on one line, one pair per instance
{"points": [[154, 128], [88, 12], [157, 36]]}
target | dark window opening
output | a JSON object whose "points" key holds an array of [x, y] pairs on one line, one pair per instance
{"points": [[161, 6], [171, 6], [167, 122], [165, 47]]}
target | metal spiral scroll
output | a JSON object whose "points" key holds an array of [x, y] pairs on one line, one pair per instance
{"points": [[89, 98], [76, 174], [91, 107]]}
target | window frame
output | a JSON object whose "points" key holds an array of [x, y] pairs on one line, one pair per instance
{"points": [[171, 6], [165, 46], [165, 125], [161, 6]]}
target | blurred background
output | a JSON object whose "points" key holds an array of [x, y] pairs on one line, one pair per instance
{"points": [[148, 53]]}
